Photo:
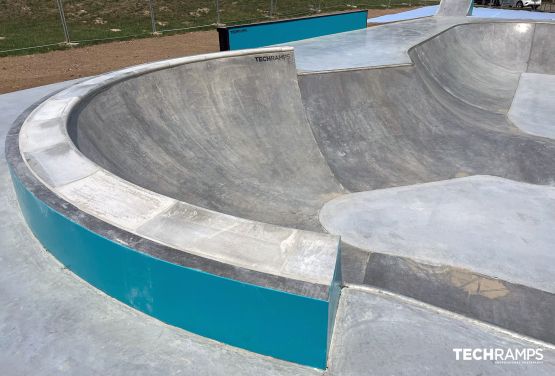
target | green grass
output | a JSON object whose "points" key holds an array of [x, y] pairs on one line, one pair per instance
{"points": [[31, 23]]}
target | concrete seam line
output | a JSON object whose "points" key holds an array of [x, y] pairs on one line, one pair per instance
{"points": [[444, 312]]}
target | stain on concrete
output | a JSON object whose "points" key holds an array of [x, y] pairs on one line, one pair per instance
{"points": [[478, 285]]}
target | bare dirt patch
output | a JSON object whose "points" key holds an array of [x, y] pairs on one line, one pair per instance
{"points": [[21, 72]]}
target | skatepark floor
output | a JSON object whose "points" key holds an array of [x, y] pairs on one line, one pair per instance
{"points": [[54, 323]]}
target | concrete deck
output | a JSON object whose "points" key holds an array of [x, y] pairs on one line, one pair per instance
{"points": [[494, 226], [384, 334], [374, 47]]}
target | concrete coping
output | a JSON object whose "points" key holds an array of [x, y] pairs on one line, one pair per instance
{"points": [[52, 157]]}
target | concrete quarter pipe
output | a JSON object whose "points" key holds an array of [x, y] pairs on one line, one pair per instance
{"points": [[210, 192], [455, 8]]}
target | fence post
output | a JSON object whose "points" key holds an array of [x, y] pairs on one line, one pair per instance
{"points": [[319, 6], [63, 21], [271, 8], [217, 12], [152, 16]]}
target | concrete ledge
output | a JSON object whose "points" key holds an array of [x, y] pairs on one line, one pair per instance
{"points": [[373, 325], [479, 246], [265, 288], [515, 307]]}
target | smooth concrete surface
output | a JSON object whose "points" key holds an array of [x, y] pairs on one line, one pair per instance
{"points": [[52, 323], [542, 58], [164, 173], [384, 334], [484, 69], [440, 117], [373, 47], [478, 12], [380, 128], [455, 8], [533, 106], [494, 226], [427, 11], [418, 121], [245, 131], [387, 45], [272, 284], [288, 170]]}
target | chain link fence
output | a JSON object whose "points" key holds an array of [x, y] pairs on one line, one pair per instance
{"points": [[27, 25]]}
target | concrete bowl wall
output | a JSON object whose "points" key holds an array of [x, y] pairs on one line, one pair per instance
{"points": [[265, 288]]}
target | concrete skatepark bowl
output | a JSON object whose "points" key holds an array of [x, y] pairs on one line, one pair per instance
{"points": [[234, 194]]}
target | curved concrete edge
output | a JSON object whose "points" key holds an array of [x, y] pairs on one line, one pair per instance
{"points": [[498, 65], [417, 338], [269, 322], [53, 158], [539, 61], [458, 268], [482, 223], [389, 42], [518, 308], [286, 312], [394, 41]]}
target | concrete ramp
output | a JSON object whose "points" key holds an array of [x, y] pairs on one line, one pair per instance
{"points": [[252, 138], [236, 121], [482, 73], [456, 8], [441, 118], [404, 221], [212, 134], [533, 107]]}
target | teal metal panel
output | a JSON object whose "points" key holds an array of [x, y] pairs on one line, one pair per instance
{"points": [[263, 320], [269, 33]]}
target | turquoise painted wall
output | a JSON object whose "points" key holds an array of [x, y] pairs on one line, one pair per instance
{"points": [[263, 320], [269, 33]]}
